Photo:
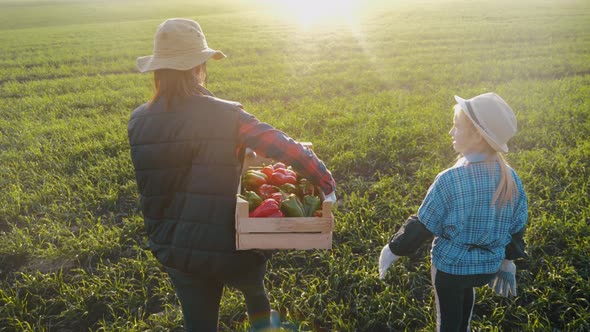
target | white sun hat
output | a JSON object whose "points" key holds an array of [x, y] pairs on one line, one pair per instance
{"points": [[178, 44], [492, 117]]}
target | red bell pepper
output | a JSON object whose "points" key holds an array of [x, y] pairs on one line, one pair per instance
{"points": [[279, 165], [286, 171], [268, 170], [278, 196], [269, 207], [282, 176], [278, 214], [266, 190]]}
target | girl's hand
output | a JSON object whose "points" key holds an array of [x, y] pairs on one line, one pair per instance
{"points": [[386, 259], [504, 282]]}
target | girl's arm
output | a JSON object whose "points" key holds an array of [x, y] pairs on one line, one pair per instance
{"points": [[413, 233], [405, 242], [409, 237], [515, 249]]}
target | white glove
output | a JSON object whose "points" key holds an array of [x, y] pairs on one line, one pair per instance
{"points": [[504, 282], [386, 259], [331, 197]]}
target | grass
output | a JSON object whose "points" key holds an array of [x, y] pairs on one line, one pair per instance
{"points": [[375, 99]]}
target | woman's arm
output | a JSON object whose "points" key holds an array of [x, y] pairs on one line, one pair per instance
{"points": [[274, 144]]}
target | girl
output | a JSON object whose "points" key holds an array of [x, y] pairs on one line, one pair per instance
{"points": [[187, 149], [476, 210]]}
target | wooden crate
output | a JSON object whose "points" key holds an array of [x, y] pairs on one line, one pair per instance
{"points": [[282, 233]]}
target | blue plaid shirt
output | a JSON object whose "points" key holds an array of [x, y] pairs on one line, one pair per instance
{"points": [[470, 235]]}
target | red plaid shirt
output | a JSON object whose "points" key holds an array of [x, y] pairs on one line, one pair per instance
{"points": [[272, 143]]}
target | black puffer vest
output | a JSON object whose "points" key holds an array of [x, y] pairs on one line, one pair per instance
{"points": [[187, 168]]}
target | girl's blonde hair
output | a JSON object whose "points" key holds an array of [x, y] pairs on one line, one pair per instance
{"points": [[171, 83], [506, 190]]}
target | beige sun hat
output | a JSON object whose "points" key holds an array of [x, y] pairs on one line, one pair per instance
{"points": [[492, 117], [178, 44]]}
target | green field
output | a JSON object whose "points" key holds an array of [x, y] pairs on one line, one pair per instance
{"points": [[375, 97]]}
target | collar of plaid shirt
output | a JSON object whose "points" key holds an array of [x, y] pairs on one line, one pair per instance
{"points": [[476, 157]]}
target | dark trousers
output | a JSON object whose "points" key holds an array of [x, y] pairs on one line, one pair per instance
{"points": [[455, 297], [200, 298]]}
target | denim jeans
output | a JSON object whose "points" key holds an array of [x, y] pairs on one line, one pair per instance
{"points": [[200, 298]]}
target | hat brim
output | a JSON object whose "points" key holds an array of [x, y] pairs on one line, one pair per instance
{"points": [[181, 62], [498, 147]]}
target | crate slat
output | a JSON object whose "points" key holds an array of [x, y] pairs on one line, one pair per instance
{"points": [[285, 225], [285, 241]]}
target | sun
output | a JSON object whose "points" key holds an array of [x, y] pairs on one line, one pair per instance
{"points": [[309, 13]]}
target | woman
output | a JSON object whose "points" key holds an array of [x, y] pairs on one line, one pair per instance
{"points": [[187, 149], [476, 210]]}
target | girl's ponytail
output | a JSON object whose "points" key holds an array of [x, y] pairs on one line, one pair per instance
{"points": [[506, 189]]}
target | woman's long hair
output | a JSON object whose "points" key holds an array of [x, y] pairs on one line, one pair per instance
{"points": [[171, 83], [506, 189]]}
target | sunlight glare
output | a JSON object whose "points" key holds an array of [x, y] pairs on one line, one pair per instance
{"points": [[309, 13]]}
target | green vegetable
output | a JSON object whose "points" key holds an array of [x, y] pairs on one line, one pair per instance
{"points": [[252, 198], [288, 188], [292, 206], [310, 205], [254, 179]]}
